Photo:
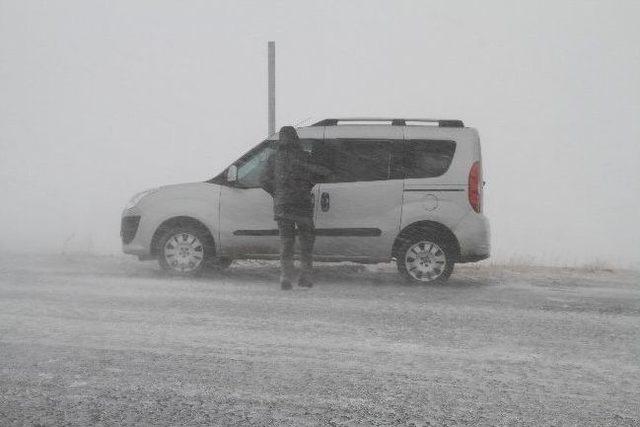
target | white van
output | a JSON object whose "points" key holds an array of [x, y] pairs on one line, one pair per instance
{"points": [[408, 190]]}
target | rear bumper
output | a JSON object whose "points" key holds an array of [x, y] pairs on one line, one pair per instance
{"points": [[474, 236]]}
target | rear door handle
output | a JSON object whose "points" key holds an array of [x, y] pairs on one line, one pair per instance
{"points": [[325, 202]]}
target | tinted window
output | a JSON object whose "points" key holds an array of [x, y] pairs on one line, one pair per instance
{"points": [[350, 160], [427, 158]]}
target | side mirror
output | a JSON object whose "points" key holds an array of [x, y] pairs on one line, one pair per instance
{"points": [[232, 173]]}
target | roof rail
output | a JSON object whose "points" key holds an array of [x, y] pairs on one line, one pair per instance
{"points": [[394, 122]]}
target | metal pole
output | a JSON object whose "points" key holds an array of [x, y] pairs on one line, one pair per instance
{"points": [[271, 48]]}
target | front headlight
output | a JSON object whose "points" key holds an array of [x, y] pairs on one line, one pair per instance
{"points": [[136, 199]]}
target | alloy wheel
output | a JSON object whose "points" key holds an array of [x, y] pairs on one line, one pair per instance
{"points": [[425, 261], [183, 252]]}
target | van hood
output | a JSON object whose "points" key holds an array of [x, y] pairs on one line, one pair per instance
{"points": [[186, 190], [189, 190], [187, 186]]}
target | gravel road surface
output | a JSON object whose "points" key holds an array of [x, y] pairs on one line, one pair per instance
{"points": [[89, 340]]}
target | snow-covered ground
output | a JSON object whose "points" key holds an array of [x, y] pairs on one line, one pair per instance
{"points": [[108, 340]]}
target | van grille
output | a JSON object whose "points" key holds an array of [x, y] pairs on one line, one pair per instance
{"points": [[128, 228]]}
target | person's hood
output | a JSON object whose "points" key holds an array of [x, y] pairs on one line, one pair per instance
{"points": [[288, 136]]}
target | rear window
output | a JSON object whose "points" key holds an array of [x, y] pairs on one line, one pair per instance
{"points": [[425, 158]]}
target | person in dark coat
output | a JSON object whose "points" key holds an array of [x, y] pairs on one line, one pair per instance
{"points": [[289, 178]]}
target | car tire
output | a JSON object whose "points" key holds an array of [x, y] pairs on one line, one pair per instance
{"points": [[425, 258], [185, 250]]}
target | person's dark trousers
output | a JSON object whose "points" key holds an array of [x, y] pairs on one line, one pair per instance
{"points": [[306, 234]]}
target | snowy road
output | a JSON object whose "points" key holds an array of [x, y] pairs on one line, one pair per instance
{"points": [[109, 340]]}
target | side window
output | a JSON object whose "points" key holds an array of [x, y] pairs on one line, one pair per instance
{"points": [[350, 160], [251, 167], [427, 158]]}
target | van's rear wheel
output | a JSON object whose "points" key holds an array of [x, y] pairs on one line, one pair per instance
{"points": [[185, 250], [425, 259]]}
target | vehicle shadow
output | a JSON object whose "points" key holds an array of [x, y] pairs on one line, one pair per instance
{"points": [[245, 271], [377, 275]]}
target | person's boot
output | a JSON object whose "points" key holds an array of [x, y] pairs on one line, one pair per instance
{"points": [[285, 281], [304, 281], [286, 271]]}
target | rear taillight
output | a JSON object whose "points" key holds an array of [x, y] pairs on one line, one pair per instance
{"points": [[475, 191]]}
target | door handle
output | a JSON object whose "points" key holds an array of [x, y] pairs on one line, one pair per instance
{"points": [[325, 202]]}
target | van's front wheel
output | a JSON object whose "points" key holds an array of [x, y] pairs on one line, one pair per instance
{"points": [[184, 251], [425, 259]]}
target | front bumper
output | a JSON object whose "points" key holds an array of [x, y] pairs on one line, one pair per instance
{"points": [[129, 227], [135, 234]]}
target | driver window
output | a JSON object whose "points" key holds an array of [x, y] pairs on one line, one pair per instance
{"points": [[250, 171], [252, 165]]}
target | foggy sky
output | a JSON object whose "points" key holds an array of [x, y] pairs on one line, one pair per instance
{"points": [[102, 99]]}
